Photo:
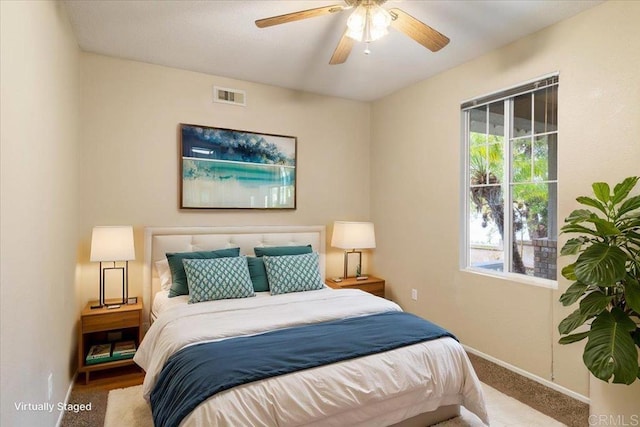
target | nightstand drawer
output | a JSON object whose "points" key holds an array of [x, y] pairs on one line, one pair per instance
{"points": [[373, 285], [108, 321], [373, 288]]}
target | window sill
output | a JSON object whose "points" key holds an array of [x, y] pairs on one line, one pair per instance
{"points": [[514, 277]]}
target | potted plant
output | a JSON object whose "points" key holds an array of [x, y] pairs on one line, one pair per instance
{"points": [[606, 281]]}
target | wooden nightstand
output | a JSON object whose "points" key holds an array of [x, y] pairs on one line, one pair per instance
{"points": [[96, 324], [373, 285]]}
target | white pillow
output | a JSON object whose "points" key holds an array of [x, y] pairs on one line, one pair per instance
{"points": [[164, 272]]}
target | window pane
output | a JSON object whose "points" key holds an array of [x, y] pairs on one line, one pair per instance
{"points": [[521, 116], [534, 251], [495, 155], [545, 151], [496, 122], [478, 126], [485, 233], [521, 160], [546, 110], [478, 165]]}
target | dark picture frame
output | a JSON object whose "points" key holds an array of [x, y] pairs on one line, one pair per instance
{"points": [[234, 169]]}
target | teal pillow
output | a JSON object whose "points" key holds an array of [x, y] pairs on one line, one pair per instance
{"points": [[179, 285], [258, 274], [282, 250], [293, 273], [218, 278]]}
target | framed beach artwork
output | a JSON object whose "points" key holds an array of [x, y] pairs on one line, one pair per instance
{"points": [[234, 169]]}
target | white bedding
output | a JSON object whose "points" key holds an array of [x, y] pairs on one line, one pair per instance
{"points": [[162, 302], [381, 389]]}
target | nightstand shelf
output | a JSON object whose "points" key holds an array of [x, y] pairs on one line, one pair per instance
{"points": [[97, 324], [373, 285]]}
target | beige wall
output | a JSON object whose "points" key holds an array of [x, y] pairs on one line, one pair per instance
{"points": [[415, 196], [129, 151], [39, 162]]}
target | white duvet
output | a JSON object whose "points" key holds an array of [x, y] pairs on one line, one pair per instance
{"points": [[376, 390]]}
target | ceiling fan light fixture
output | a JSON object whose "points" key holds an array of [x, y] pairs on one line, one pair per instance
{"points": [[369, 22]]}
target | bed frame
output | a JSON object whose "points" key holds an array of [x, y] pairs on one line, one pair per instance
{"points": [[160, 240]]}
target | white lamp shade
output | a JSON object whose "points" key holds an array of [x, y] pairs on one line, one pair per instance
{"points": [[368, 23], [112, 243], [353, 235]]}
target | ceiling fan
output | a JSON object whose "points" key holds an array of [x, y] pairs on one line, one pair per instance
{"points": [[367, 23]]}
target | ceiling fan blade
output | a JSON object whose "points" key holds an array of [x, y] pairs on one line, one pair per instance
{"points": [[419, 31], [296, 16], [343, 50]]}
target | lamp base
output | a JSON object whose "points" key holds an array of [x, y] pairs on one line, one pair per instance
{"points": [[346, 262]]}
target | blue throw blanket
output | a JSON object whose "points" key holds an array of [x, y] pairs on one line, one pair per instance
{"points": [[196, 373]]}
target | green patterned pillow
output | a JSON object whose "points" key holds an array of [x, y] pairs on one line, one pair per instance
{"points": [[218, 278], [293, 273]]}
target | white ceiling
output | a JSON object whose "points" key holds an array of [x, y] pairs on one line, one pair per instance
{"points": [[220, 38]]}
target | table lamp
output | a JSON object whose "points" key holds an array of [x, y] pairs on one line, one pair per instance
{"points": [[350, 236], [112, 244]]}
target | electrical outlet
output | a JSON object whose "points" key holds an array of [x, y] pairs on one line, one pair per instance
{"points": [[414, 294], [50, 385]]}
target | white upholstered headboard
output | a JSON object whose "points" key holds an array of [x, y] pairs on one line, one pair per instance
{"points": [[160, 240]]}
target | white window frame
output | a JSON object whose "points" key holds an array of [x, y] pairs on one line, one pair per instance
{"points": [[507, 93]]}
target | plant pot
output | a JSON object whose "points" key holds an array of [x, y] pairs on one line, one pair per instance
{"points": [[614, 404]]}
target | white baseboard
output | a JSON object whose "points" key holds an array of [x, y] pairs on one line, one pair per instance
{"points": [[66, 399], [519, 371]]}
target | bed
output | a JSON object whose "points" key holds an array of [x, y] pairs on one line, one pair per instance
{"points": [[414, 384]]}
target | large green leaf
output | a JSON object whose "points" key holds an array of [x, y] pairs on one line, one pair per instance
{"points": [[629, 205], [601, 264], [602, 191], [620, 191], [605, 228], [580, 215], [610, 350], [632, 293], [568, 272], [594, 303], [591, 202], [575, 228], [573, 293], [572, 321], [572, 246], [573, 338]]}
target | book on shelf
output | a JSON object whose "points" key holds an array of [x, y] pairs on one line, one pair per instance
{"points": [[99, 352], [124, 348]]}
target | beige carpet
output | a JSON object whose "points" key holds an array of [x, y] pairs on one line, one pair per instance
{"points": [[127, 408]]}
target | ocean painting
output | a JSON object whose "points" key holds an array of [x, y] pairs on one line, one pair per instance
{"points": [[231, 169]]}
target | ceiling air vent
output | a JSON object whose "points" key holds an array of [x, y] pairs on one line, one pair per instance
{"points": [[226, 95]]}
